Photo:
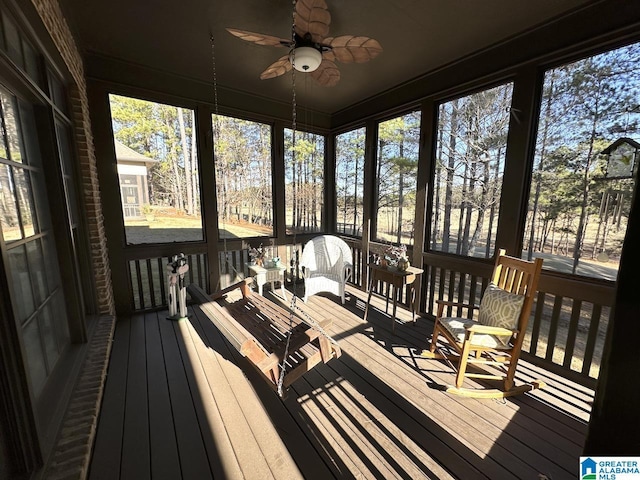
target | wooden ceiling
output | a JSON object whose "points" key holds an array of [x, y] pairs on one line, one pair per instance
{"points": [[418, 36]]}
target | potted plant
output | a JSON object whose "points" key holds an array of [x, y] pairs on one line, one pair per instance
{"points": [[397, 256], [257, 256]]}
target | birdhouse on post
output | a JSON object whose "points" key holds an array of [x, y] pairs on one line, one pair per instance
{"points": [[621, 169], [622, 158]]}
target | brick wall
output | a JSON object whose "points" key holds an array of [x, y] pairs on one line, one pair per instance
{"points": [[54, 21]]}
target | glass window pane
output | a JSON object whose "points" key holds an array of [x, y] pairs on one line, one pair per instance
{"points": [[49, 337], [64, 148], [2, 39], [35, 357], [37, 268], [50, 263], [397, 170], [350, 181], [32, 269], [59, 312], [11, 126], [42, 206], [304, 181], [470, 152], [4, 150], [25, 200], [57, 91], [29, 135], [8, 206], [580, 196], [31, 64], [158, 170], [12, 36], [243, 177], [19, 276]]}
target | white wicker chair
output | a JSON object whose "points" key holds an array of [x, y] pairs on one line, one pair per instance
{"points": [[327, 264]]}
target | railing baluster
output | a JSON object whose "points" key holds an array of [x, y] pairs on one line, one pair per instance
{"points": [[190, 263], [430, 301], [553, 327], [594, 325], [133, 281], [461, 292], [472, 295], [140, 290], [161, 273], [452, 289], [152, 293], [572, 333], [199, 263], [537, 322]]}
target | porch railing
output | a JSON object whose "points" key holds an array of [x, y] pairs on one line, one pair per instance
{"points": [[568, 324], [569, 319], [149, 279], [566, 331]]}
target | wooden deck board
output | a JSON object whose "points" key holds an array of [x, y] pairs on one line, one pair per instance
{"points": [[482, 412], [376, 412], [519, 424], [105, 463], [165, 461], [136, 462], [257, 446], [267, 411], [378, 364], [194, 462], [220, 452], [485, 424], [385, 437]]}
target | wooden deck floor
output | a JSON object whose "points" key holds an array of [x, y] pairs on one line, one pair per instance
{"points": [[180, 403]]}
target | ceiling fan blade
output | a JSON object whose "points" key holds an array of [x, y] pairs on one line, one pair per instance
{"points": [[352, 49], [280, 67], [327, 74], [328, 55], [313, 17], [259, 38]]}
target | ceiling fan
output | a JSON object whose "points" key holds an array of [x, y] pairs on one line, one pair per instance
{"points": [[311, 51]]}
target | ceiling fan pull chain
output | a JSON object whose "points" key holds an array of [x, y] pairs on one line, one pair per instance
{"points": [[292, 307], [215, 129], [215, 75]]}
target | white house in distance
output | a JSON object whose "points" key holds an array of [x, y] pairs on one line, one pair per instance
{"points": [[132, 175]]}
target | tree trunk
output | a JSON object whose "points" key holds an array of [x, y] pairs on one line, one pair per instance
{"points": [[435, 223], [541, 165], [400, 192], [381, 145], [494, 201], [470, 193], [194, 169], [187, 163], [179, 200], [586, 179], [448, 195], [355, 199], [482, 207]]}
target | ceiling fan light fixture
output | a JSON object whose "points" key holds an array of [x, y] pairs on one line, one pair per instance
{"points": [[305, 59]]}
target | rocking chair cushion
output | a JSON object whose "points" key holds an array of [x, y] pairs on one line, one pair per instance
{"points": [[458, 328], [500, 308]]}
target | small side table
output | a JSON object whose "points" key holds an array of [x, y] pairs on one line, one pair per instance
{"points": [[262, 275], [395, 279]]}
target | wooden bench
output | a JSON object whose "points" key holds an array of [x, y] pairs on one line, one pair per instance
{"points": [[258, 329]]}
